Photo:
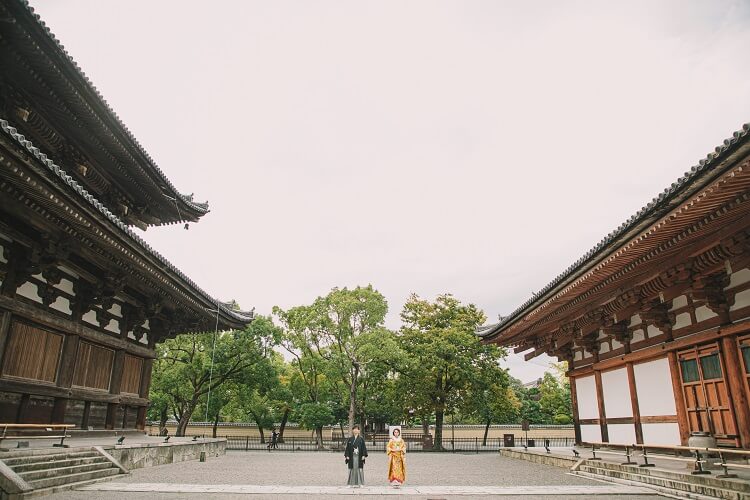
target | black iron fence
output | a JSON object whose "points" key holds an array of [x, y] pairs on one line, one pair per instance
{"points": [[378, 443]]}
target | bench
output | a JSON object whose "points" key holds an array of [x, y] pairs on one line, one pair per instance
{"points": [[50, 431]]}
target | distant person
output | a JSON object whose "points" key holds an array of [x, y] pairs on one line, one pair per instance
{"points": [[354, 456], [274, 440], [396, 451]]}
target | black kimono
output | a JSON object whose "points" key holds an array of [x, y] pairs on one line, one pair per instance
{"points": [[355, 454]]}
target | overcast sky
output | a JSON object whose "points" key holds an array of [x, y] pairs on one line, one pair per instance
{"points": [[477, 148]]}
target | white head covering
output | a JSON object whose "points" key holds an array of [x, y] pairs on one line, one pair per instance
{"points": [[393, 428]]}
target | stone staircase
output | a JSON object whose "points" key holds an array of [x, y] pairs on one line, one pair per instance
{"points": [[41, 472], [677, 484]]}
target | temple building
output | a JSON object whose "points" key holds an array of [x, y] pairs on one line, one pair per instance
{"points": [[83, 299], [654, 321]]}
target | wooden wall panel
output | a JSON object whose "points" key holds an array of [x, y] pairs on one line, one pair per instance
{"points": [[93, 366], [32, 353], [131, 374]]}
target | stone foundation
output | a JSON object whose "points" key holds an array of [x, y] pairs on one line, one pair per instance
{"points": [[137, 456]]}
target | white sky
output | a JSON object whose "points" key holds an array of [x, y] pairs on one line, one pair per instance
{"points": [[471, 147]]}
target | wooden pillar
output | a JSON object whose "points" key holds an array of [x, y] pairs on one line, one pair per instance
{"points": [[114, 388], [140, 423], [58, 411], [22, 409], [68, 361], [634, 404], [679, 397], [574, 401], [148, 365], [5, 318], [735, 378], [602, 410], [86, 414]]}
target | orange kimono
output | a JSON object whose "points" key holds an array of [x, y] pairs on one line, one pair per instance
{"points": [[396, 450]]}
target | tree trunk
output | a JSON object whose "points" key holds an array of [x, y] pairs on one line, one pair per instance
{"points": [[439, 414], [184, 420], [216, 424], [486, 431], [163, 416], [353, 398], [425, 425], [284, 419], [319, 437], [262, 437]]}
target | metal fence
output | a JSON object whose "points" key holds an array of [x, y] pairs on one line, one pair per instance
{"points": [[378, 443]]}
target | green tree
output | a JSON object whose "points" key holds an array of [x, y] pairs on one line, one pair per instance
{"points": [[189, 367], [444, 353]]}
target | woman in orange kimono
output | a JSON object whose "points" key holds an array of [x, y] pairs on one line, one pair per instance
{"points": [[396, 450]]}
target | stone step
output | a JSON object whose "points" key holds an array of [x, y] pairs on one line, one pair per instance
{"points": [[49, 457], [64, 471], [65, 487], [73, 478], [27, 452], [18, 469], [683, 485]]}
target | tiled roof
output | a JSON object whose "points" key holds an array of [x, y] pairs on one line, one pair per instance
{"points": [[64, 177], [703, 167], [112, 115]]}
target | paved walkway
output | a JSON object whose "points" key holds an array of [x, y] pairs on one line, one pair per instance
{"points": [[319, 475]]}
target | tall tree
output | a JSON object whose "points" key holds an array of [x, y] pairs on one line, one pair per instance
{"points": [[444, 352], [190, 366]]}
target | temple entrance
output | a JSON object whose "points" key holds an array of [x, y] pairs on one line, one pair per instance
{"points": [[707, 401]]}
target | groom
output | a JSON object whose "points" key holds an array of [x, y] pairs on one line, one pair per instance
{"points": [[354, 456]]}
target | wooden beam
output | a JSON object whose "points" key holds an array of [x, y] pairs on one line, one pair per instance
{"points": [[659, 350], [148, 365], [735, 375], [634, 404], [600, 403], [679, 397]]}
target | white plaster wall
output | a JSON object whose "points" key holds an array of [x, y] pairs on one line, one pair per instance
{"points": [[653, 331], [66, 286], [738, 278], [2, 255], [616, 391], [653, 385], [90, 317], [578, 356], [591, 433], [116, 310], [604, 348], [29, 290], [678, 302], [681, 321], [635, 320], [615, 344], [703, 313], [621, 433], [62, 304], [588, 406], [113, 326], [668, 434], [741, 300]]}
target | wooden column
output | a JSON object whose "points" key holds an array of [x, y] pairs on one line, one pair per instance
{"points": [[735, 378], [602, 410], [68, 361], [574, 401], [679, 397], [58, 411], [140, 423], [634, 404], [5, 318], [148, 365], [86, 414], [114, 388], [22, 409]]}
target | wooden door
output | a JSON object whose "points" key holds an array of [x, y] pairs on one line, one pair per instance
{"points": [[744, 347], [707, 401]]}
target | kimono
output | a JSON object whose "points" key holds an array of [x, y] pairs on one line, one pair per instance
{"points": [[396, 450], [355, 454]]}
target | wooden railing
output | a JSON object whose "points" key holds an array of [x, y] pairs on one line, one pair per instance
{"points": [[49, 431], [700, 455]]}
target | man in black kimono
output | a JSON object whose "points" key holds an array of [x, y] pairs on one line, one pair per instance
{"points": [[354, 456]]}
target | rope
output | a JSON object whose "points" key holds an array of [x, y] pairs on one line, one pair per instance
{"points": [[213, 353]]}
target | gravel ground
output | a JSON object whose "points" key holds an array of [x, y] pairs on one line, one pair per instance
{"points": [[324, 469]]}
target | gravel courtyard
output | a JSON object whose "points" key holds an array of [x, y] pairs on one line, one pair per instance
{"points": [[328, 469]]}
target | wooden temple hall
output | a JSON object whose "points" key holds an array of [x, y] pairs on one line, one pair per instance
{"points": [[654, 321], [83, 299]]}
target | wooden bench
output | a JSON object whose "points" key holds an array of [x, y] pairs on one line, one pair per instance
{"points": [[50, 431]]}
